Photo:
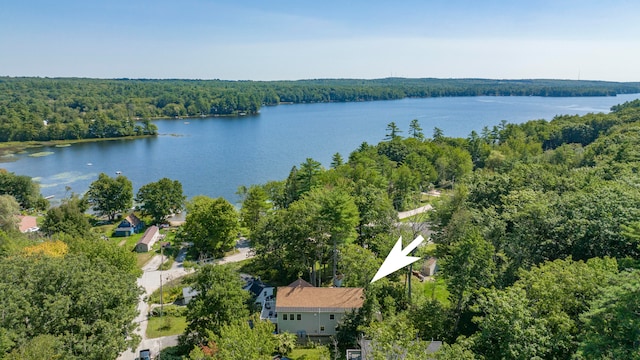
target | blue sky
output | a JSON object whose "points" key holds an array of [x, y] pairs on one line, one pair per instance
{"points": [[282, 39]]}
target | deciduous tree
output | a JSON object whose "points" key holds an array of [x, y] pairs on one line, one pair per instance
{"points": [[220, 301], [211, 224], [161, 199], [108, 196]]}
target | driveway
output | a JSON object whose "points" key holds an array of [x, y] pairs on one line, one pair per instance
{"points": [[150, 282], [420, 210]]}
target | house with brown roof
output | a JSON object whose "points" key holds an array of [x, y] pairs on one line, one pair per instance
{"points": [[130, 225], [148, 239], [313, 311]]}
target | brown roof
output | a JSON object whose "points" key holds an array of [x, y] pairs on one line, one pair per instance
{"points": [[314, 298], [148, 235], [26, 222], [132, 219], [299, 283]]}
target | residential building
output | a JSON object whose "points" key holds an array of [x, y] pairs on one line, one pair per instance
{"points": [[312, 311], [130, 225], [27, 224], [429, 267], [150, 236]]}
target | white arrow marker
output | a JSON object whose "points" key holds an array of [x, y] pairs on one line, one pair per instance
{"points": [[398, 258]]}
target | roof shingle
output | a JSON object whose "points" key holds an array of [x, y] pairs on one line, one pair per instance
{"points": [[321, 298]]}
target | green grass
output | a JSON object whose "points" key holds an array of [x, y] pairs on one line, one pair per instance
{"points": [[165, 326], [318, 353], [171, 291], [429, 289], [143, 258]]}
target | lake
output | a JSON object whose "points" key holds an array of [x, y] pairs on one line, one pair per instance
{"points": [[213, 156]]}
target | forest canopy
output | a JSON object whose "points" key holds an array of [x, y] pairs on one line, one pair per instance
{"points": [[73, 108]]}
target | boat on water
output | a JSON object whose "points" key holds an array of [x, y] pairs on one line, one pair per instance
{"points": [[49, 197], [89, 164], [118, 172]]}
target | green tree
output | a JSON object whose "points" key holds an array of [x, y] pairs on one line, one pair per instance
{"points": [[395, 338], [335, 213], [509, 329], [336, 160], [108, 196], [392, 131], [67, 218], [377, 214], [611, 327], [9, 210], [467, 266], [308, 176], [23, 189], [251, 339], [438, 134], [58, 296], [358, 265], [211, 224], [415, 130], [161, 199], [254, 207], [220, 301], [40, 347], [286, 342]]}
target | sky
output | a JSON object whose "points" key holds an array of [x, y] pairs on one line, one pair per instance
{"points": [[298, 39]]}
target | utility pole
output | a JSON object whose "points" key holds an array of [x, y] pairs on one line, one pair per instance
{"points": [[161, 265]]}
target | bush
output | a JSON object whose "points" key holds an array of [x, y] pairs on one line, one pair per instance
{"points": [[170, 310]]}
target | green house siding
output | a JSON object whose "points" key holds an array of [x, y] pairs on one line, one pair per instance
{"points": [[311, 323]]}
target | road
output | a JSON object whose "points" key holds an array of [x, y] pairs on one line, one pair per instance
{"points": [[420, 210], [150, 282]]}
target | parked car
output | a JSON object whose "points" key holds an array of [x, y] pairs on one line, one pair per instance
{"points": [[145, 354]]}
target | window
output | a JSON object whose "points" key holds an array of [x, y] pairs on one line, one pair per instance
{"points": [[284, 316], [331, 317], [299, 316], [321, 328], [291, 317]]}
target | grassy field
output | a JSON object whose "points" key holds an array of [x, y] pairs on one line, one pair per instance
{"points": [[429, 289], [171, 291], [319, 353], [165, 326]]}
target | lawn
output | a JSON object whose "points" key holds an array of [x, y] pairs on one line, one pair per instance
{"points": [[171, 291], [165, 326], [319, 353], [429, 289]]}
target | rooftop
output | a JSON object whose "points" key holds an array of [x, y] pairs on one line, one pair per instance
{"points": [[329, 299], [27, 223]]}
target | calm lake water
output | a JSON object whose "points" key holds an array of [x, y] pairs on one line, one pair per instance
{"points": [[213, 156]]}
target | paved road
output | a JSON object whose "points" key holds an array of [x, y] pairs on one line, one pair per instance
{"points": [[150, 282], [420, 210]]}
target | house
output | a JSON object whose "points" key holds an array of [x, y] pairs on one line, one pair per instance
{"points": [[312, 311], [27, 224], [129, 226], [260, 291], [150, 236], [188, 293], [429, 267]]}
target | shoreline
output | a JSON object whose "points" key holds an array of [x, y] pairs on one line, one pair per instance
{"points": [[14, 147]]}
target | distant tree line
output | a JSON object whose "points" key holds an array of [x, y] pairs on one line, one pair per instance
{"points": [[72, 108]]}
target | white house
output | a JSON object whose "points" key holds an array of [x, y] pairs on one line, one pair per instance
{"points": [[148, 239], [188, 293]]}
